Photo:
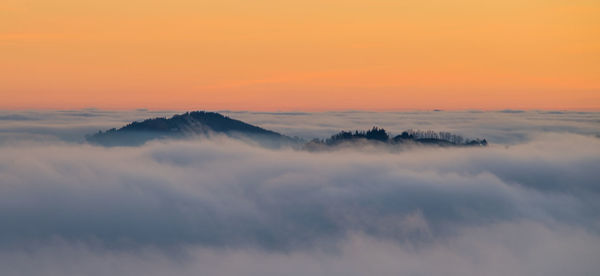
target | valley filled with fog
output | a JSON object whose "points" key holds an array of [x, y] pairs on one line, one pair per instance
{"points": [[526, 204]]}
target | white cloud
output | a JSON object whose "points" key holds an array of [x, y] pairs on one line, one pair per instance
{"points": [[223, 207]]}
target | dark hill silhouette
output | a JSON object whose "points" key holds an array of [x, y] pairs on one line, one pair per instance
{"points": [[201, 123], [187, 125], [380, 135]]}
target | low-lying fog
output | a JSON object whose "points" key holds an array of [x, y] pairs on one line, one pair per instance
{"points": [[527, 204]]}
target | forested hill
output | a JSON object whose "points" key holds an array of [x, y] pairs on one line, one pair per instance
{"points": [[186, 125], [201, 123], [380, 135]]}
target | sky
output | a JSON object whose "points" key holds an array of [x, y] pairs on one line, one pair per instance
{"points": [[526, 204], [309, 55]]}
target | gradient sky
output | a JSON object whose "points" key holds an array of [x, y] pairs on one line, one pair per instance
{"points": [[300, 55]]}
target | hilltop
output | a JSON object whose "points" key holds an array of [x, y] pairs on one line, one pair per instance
{"points": [[381, 136], [189, 124], [201, 123]]}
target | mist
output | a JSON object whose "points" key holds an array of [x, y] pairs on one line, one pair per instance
{"points": [[527, 204]]}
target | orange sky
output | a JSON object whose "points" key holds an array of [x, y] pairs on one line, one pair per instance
{"points": [[300, 55]]}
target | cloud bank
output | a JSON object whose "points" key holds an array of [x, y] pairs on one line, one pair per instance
{"points": [[223, 207]]}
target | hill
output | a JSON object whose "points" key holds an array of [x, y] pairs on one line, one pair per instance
{"points": [[201, 123], [380, 136], [189, 124]]}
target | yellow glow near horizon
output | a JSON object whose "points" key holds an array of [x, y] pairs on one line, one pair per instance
{"points": [[300, 55]]}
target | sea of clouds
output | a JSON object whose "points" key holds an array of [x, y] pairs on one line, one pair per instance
{"points": [[528, 204]]}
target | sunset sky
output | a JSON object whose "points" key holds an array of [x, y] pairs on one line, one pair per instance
{"points": [[300, 55]]}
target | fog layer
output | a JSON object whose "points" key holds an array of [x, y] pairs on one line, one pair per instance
{"points": [[521, 206]]}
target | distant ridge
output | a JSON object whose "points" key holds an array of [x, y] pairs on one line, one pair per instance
{"points": [[380, 135], [201, 123], [185, 125]]}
